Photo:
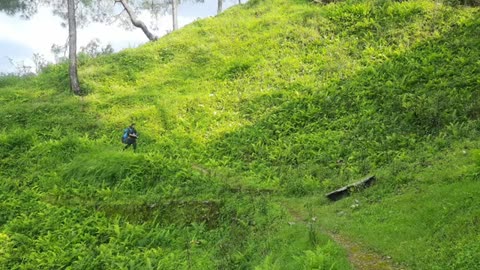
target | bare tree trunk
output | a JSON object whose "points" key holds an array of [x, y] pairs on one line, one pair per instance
{"points": [[174, 14], [136, 22], [72, 45], [220, 6]]}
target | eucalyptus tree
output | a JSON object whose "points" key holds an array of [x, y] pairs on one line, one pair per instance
{"points": [[135, 21], [219, 6], [75, 15], [27, 8], [155, 8], [174, 14], [94, 48], [160, 7], [73, 11], [72, 47]]}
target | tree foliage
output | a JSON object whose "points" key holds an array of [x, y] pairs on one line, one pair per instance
{"points": [[26, 8]]}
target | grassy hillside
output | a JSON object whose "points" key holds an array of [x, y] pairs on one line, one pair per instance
{"points": [[242, 118]]}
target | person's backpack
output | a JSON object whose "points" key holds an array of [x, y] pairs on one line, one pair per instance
{"points": [[125, 135]]}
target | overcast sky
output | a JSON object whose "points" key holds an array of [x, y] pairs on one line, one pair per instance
{"points": [[20, 39]]}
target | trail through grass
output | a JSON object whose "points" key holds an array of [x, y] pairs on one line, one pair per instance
{"points": [[360, 257]]}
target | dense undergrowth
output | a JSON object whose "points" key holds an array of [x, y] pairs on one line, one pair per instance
{"points": [[271, 99]]}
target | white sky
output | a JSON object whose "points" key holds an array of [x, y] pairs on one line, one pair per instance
{"points": [[20, 39]]}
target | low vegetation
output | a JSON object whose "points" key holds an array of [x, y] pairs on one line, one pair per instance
{"points": [[246, 120]]}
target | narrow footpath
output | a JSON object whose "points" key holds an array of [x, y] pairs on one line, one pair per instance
{"points": [[360, 257]]}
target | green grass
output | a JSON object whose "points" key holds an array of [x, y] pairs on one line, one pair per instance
{"points": [[428, 220], [273, 102]]}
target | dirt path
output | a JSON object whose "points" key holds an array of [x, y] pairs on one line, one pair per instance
{"points": [[360, 257]]}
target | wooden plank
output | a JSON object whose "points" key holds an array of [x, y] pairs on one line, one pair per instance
{"points": [[347, 190]]}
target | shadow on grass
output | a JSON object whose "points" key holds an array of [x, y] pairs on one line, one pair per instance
{"points": [[429, 93]]}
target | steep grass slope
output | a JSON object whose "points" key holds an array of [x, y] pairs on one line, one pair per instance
{"points": [[270, 99]]}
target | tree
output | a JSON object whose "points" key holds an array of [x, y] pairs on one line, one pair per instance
{"points": [[40, 62], [156, 7], [174, 15], [21, 69], [26, 8], [219, 6], [94, 48], [60, 52], [135, 21], [72, 48]]}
